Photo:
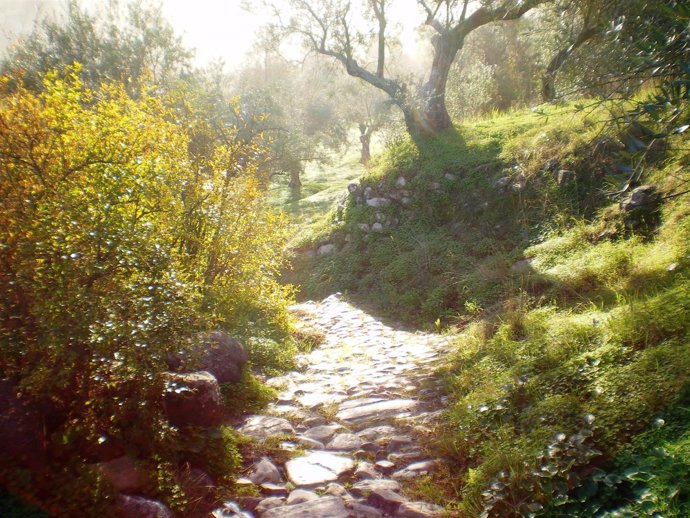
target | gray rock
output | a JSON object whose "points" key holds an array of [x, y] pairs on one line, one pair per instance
{"points": [[192, 399], [322, 433], [127, 506], [269, 503], [400, 181], [385, 466], [419, 510], [326, 507], [335, 489], [378, 202], [386, 500], [448, 176], [358, 510], [123, 474], [642, 206], [641, 197], [377, 227], [298, 496], [414, 470], [378, 410], [308, 442], [263, 426], [408, 456], [398, 441], [224, 357], [406, 201], [344, 442], [313, 421], [366, 486], [365, 471], [270, 489], [265, 471], [522, 266], [326, 249], [363, 227], [368, 193], [376, 432], [230, 510], [317, 468], [353, 188]]}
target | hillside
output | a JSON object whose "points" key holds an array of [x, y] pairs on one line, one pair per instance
{"points": [[569, 306]]}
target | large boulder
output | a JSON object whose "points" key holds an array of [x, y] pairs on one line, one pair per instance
{"points": [[223, 356], [192, 399], [217, 353], [21, 430]]}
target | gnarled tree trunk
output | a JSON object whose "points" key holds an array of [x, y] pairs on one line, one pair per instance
{"points": [[548, 80], [365, 139]]}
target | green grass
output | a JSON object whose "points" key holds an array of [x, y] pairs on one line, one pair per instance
{"points": [[605, 336], [454, 247], [570, 380]]}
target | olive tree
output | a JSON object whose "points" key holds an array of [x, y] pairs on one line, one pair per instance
{"points": [[342, 29]]}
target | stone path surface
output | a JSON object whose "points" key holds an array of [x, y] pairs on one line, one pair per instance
{"points": [[353, 418]]}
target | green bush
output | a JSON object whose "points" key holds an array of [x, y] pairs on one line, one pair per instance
{"points": [[272, 357], [247, 395], [117, 246]]}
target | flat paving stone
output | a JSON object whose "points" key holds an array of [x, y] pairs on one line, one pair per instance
{"points": [[297, 496], [323, 433], [265, 426], [326, 507], [265, 471], [419, 510], [386, 500], [344, 442], [366, 486], [317, 468], [377, 410]]}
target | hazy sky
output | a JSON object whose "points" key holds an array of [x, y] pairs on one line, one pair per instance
{"points": [[215, 28]]}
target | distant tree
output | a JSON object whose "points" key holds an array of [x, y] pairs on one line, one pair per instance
{"points": [[129, 45], [496, 70], [297, 107], [336, 28], [369, 110]]}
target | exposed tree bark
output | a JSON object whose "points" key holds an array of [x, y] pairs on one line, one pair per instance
{"points": [[379, 7], [295, 183], [548, 80], [365, 138]]}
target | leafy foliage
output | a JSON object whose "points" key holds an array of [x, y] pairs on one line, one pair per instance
{"points": [[119, 247], [131, 43]]}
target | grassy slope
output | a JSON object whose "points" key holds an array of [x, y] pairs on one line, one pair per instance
{"points": [[570, 384], [455, 250]]}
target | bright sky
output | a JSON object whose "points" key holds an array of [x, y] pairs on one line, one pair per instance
{"points": [[215, 28]]}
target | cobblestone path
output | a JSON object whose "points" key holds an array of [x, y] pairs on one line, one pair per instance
{"points": [[357, 414]]}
